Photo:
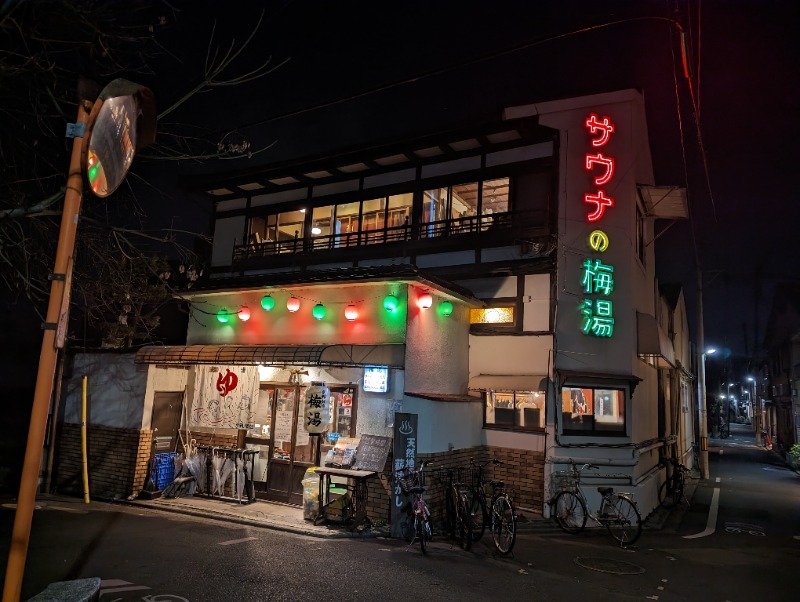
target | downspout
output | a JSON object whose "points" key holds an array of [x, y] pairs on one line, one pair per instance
{"points": [[83, 442]]}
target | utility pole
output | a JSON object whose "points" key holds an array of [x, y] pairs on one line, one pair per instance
{"points": [[701, 380]]}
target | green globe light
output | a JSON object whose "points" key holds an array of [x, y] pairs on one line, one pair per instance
{"points": [[390, 303], [446, 307], [319, 311], [223, 316], [267, 302]]}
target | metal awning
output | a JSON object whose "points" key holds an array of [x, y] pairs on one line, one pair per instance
{"points": [[275, 355], [508, 382], [666, 202], [653, 342]]}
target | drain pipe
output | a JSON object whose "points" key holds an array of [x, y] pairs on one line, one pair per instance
{"points": [[83, 442]]}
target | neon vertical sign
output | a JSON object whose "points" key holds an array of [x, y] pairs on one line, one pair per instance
{"points": [[597, 277]]}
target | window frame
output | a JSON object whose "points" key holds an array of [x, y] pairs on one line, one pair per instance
{"points": [[500, 328], [621, 431], [488, 394]]}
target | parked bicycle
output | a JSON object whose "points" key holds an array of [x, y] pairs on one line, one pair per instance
{"points": [[457, 520], [672, 490], [499, 513], [417, 524], [617, 513]]}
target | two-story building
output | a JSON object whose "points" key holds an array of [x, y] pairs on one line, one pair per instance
{"points": [[497, 281]]}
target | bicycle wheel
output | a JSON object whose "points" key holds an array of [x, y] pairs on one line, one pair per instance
{"points": [[464, 523], [422, 535], [478, 515], [624, 522], [667, 496], [504, 524], [569, 512], [407, 527]]}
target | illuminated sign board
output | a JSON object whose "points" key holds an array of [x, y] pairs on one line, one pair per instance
{"points": [[597, 278], [376, 379]]}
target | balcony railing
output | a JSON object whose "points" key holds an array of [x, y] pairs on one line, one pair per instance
{"points": [[501, 224]]}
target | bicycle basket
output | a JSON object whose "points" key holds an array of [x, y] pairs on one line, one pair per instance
{"points": [[563, 480], [408, 480]]}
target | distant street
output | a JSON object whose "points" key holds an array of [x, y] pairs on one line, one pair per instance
{"points": [[751, 552]]}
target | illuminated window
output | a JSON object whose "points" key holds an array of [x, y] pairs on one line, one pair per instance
{"points": [[492, 315], [590, 410], [519, 410]]}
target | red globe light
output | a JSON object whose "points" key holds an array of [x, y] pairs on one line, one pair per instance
{"points": [[293, 304], [351, 312], [425, 300], [244, 313]]}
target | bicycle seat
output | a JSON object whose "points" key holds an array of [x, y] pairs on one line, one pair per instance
{"points": [[605, 490], [497, 484]]}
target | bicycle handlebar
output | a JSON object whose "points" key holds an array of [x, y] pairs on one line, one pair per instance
{"points": [[494, 461]]}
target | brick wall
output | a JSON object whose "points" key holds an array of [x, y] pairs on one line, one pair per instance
{"points": [[117, 461], [522, 473]]}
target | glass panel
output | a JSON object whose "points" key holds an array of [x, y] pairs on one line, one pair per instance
{"points": [[495, 196], [346, 224], [344, 412], [500, 408], [263, 415], [530, 410], [609, 409], [290, 225], [284, 418], [465, 200], [576, 408], [373, 219], [258, 228], [321, 221], [434, 205], [492, 315], [400, 209]]}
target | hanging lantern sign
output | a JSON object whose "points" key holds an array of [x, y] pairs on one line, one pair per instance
{"points": [[317, 410]]}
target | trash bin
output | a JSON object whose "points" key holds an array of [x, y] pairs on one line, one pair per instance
{"points": [[310, 494]]}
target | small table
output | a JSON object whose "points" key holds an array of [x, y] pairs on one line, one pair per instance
{"points": [[358, 489]]}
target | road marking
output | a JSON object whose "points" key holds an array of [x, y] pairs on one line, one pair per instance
{"points": [[712, 518], [233, 541]]}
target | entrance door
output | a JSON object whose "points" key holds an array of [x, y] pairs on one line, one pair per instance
{"points": [[259, 438], [166, 420], [292, 447]]}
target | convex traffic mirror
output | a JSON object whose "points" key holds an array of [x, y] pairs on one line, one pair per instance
{"points": [[122, 121]]}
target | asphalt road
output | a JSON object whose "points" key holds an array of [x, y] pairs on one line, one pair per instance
{"points": [[751, 553]]}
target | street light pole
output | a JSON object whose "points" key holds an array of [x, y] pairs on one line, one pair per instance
{"points": [[754, 405], [31, 467]]}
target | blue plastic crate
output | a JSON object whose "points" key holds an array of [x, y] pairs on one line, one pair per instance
{"points": [[164, 469]]}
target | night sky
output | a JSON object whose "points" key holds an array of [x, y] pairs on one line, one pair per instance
{"points": [[361, 70]]}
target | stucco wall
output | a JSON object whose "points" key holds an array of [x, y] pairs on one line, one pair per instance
{"points": [[443, 425]]}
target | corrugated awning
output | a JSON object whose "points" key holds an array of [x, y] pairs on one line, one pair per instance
{"points": [[275, 355], [653, 342], [508, 382], [666, 202]]}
